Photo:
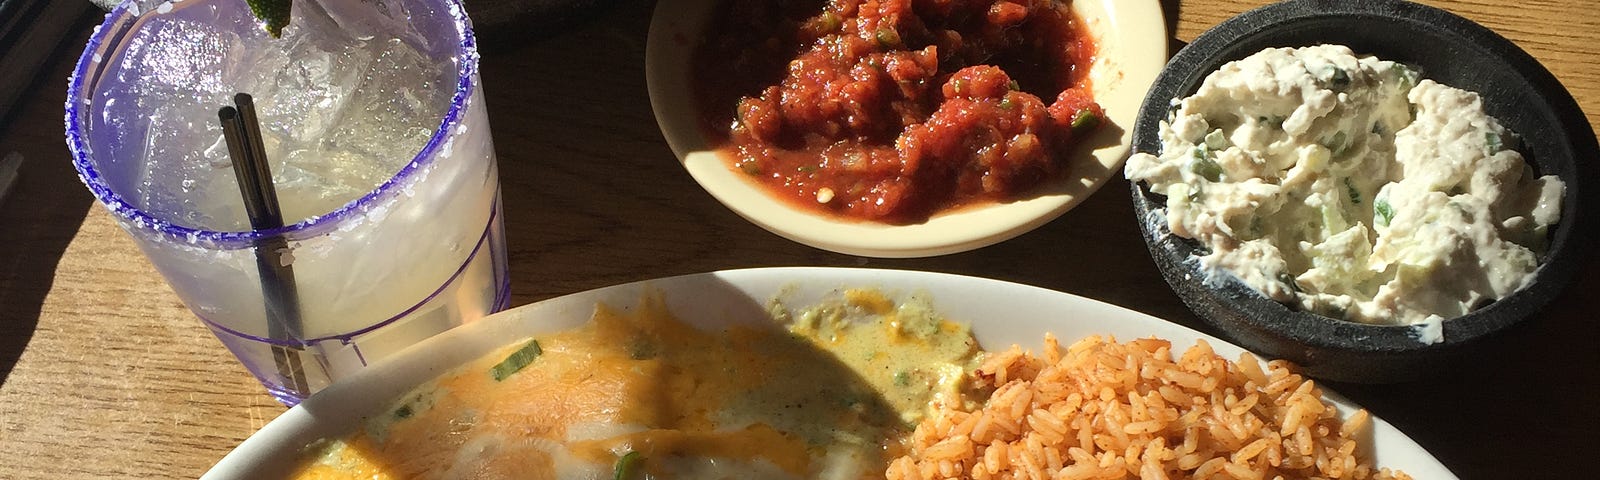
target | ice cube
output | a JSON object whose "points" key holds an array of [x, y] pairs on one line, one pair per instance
{"points": [[329, 182], [393, 113], [176, 58], [379, 127], [177, 182], [306, 84], [370, 19]]}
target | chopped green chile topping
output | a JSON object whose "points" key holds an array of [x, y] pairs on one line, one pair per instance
{"points": [[1204, 166], [1384, 211], [1196, 193], [516, 361], [1339, 80], [1355, 194], [1288, 279], [1493, 142], [1338, 143], [887, 37], [1085, 120], [829, 22], [626, 466], [1014, 85]]}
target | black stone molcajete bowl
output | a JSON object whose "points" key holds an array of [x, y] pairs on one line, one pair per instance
{"points": [[1515, 88]]}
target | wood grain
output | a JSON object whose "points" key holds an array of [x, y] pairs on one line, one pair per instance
{"points": [[106, 375]]}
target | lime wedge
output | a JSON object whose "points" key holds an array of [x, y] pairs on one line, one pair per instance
{"points": [[274, 12]]}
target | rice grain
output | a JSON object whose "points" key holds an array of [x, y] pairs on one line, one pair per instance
{"points": [[1100, 409]]}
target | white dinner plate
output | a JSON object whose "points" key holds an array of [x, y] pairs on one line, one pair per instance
{"points": [[1001, 314], [1131, 50]]}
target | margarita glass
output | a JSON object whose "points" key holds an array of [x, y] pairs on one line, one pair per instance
{"points": [[377, 136]]}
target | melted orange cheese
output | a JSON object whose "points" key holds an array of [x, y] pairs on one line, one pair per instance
{"points": [[632, 382]]}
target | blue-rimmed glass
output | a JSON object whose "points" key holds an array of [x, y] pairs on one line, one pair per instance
{"points": [[417, 254]]}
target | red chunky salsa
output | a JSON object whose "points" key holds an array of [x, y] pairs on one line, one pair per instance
{"points": [[894, 110]]}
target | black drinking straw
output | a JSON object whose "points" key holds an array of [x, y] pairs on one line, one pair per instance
{"points": [[249, 155]]}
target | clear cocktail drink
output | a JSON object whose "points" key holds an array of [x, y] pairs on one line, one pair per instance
{"points": [[377, 136]]}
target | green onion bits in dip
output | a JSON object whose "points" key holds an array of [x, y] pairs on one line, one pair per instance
{"points": [[1351, 187]]}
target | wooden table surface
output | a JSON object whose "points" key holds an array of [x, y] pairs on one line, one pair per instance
{"points": [[104, 374]]}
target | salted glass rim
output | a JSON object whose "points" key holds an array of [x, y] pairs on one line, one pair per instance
{"points": [[76, 125]]}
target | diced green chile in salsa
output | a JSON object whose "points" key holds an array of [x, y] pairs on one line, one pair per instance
{"points": [[892, 111]]}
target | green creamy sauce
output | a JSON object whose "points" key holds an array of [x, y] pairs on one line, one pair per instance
{"points": [[420, 399], [908, 353], [804, 395]]}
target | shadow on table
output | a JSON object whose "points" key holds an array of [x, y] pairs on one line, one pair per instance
{"points": [[1170, 10], [1532, 389], [37, 221], [44, 208]]}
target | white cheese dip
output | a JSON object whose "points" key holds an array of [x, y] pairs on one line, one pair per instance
{"points": [[1346, 186]]}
